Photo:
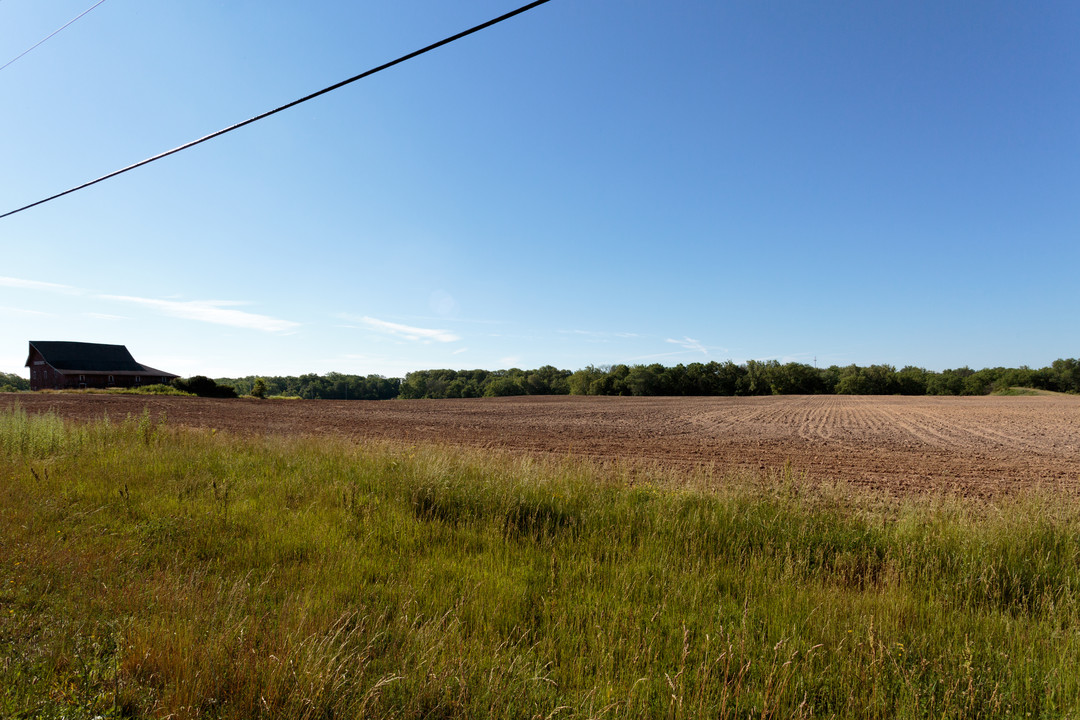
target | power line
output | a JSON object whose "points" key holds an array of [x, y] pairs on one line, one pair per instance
{"points": [[54, 32], [312, 96]]}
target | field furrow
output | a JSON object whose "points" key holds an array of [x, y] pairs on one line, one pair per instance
{"points": [[982, 446]]}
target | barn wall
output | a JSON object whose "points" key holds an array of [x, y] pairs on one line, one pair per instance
{"points": [[37, 371], [45, 377]]}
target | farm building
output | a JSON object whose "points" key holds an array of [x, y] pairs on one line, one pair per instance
{"points": [[66, 365]]}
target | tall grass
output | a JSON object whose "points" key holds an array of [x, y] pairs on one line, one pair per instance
{"points": [[148, 571]]}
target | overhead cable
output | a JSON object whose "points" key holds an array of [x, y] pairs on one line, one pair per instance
{"points": [[312, 96], [54, 32]]}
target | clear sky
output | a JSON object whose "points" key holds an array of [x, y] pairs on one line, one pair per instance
{"points": [[593, 182]]}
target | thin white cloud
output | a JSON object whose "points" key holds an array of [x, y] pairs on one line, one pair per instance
{"points": [[409, 332], [217, 312], [457, 319], [38, 285], [512, 360], [689, 344], [104, 316], [10, 311]]}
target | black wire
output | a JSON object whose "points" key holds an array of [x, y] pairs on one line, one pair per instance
{"points": [[54, 32], [312, 96]]}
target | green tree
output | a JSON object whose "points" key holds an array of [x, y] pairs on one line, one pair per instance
{"points": [[13, 383], [853, 381], [697, 379], [912, 380], [754, 380], [644, 380], [1022, 376], [204, 387], [258, 388], [581, 381], [729, 377], [829, 378], [1066, 375], [504, 386], [793, 379], [414, 386]]}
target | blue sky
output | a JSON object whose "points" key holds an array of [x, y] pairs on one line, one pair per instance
{"points": [[593, 182]]}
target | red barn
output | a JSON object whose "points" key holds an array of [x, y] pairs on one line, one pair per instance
{"points": [[65, 365]]}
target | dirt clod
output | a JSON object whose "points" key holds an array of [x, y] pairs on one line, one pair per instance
{"points": [[981, 446]]}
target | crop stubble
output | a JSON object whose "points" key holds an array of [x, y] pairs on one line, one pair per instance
{"points": [[981, 446]]}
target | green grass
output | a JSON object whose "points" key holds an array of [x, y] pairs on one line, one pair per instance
{"points": [[1024, 391], [157, 389], [149, 571]]}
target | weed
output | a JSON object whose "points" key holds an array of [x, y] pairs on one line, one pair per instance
{"points": [[148, 571]]}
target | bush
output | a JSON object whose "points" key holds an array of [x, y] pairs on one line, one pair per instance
{"points": [[158, 389], [204, 387], [13, 383]]}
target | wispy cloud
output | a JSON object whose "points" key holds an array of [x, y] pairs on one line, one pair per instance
{"points": [[689, 344], [38, 285], [408, 332], [457, 320], [17, 312], [218, 312]]}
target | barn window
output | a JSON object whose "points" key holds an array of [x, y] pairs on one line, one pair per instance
{"points": [[82, 378], [111, 379], [138, 379]]}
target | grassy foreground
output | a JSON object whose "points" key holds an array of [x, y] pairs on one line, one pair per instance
{"points": [[149, 571]]}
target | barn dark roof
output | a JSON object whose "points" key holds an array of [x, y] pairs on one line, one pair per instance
{"points": [[90, 357]]}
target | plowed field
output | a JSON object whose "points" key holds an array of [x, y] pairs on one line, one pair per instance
{"points": [[981, 446]]}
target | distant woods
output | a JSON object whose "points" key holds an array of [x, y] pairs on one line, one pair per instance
{"points": [[713, 378], [332, 386], [750, 378], [13, 383]]}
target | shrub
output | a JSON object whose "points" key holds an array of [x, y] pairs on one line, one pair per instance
{"points": [[204, 387], [158, 389]]}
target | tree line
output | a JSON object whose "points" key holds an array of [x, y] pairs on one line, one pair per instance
{"points": [[774, 378], [728, 378], [753, 377], [332, 386]]}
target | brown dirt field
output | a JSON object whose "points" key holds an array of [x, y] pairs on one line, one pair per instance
{"points": [[984, 446]]}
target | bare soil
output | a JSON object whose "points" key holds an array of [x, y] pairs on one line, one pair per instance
{"points": [[983, 446]]}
